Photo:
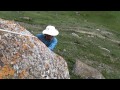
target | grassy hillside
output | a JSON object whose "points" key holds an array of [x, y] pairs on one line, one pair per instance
{"points": [[90, 36]]}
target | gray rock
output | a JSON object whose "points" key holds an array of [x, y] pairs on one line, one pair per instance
{"points": [[24, 56], [75, 35], [86, 72]]}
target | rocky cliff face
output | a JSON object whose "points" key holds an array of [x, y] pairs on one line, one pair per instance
{"points": [[23, 56]]}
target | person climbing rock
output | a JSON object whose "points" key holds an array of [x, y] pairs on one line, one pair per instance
{"points": [[48, 37]]}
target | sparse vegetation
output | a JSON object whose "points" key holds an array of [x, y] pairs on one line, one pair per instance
{"points": [[93, 29]]}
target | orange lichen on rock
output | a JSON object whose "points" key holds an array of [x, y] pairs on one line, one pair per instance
{"points": [[31, 45], [6, 71], [23, 74], [24, 46], [27, 37], [17, 43], [17, 55], [13, 61]]}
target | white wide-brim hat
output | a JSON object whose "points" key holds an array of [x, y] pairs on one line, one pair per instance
{"points": [[50, 30]]}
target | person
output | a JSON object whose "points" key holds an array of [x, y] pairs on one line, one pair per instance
{"points": [[48, 37]]}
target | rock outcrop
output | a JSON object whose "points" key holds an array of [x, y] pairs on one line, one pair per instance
{"points": [[24, 56], [86, 72]]}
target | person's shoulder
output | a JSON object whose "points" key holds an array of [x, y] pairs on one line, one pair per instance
{"points": [[41, 34], [55, 39]]}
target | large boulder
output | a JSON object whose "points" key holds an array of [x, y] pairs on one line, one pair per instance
{"points": [[24, 56], [86, 72]]}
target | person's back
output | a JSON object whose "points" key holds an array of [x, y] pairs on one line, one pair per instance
{"points": [[48, 37]]}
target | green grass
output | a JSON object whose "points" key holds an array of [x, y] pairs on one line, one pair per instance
{"points": [[84, 48]]}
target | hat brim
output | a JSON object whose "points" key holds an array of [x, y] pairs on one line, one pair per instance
{"points": [[52, 33]]}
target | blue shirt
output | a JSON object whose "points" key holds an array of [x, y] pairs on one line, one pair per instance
{"points": [[50, 44]]}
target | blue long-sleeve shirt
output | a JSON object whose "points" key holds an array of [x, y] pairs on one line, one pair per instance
{"points": [[50, 44]]}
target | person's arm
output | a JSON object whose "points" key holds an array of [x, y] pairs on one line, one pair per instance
{"points": [[53, 44]]}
